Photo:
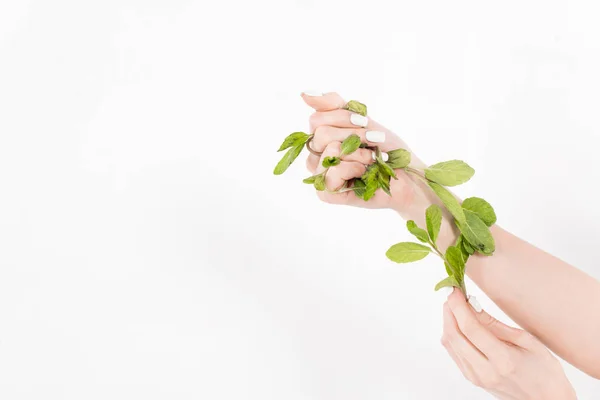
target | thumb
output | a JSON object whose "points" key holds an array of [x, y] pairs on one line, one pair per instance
{"points": [[323, 101], [506, 333]]}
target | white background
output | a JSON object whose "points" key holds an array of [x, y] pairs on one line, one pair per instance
{"points": [[146, 249]]}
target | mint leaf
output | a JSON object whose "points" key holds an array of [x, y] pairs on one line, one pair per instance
{"points": [[419, 233], [293, 140], [359, 188], [350, 144], [310, 180], [406, 252], [288, 159], [398, 159], [449, 281], [433, 219], [371, 179], [331, 162], [384, 182], [482, 208], [460, 244], [356, 107], [457, 263], [476, 232], [384, 167], [320, 182], [449, 201], [450, 173]]}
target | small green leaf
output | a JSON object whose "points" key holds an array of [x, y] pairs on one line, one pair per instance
{"points": [[449, 201], [384, 182], [467, 247], [449, 281], [350, 144], [406, 252], [288, 159], [310, 180], [457, 263], [320, 182], [331, 162], [460, 244], [449, 173], [356, 107], [477, 233], [371, 178], [293, 140], [482, 208], [359, 188], [419, 233], [386, 168], [398, 159], [433, 219]]}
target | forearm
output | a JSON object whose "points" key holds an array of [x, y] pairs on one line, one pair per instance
{"points": [[546, 296]]}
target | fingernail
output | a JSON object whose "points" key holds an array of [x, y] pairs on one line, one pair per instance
{"points": [[313, 93], [384, 156], [475, 304], [375, 136], [359, 120]]}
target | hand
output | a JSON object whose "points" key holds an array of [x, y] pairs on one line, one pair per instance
{"points": [[507, 362], [331, 125]]}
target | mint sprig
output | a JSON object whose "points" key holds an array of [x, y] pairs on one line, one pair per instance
{"points": [[473, 217]]}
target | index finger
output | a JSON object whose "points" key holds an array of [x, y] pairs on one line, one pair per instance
{"points": [[323, 101], [473, 330]]}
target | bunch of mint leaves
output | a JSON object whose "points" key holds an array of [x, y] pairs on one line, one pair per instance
{"points": [[473, 217]]}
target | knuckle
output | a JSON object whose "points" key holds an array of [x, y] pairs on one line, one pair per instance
{"points": [[314, 119], [333, 148]]}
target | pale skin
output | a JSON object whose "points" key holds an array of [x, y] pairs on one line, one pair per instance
{"points": [[556, 303]]}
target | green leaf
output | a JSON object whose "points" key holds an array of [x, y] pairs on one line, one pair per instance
{"points": [[288, 159], [406, 252], [384, 182], [399, 158], [386, 168], [433, 219], [419, 233], [356, 107], [482, 208], [310, 180], [450, 173], [350, 144], [477, 233], [293, 140], [371, 179], [460, 244], [449, 281], [457, 263], [449, 201], [467, 247], [320, 182], [359, 188], [331, 162]]}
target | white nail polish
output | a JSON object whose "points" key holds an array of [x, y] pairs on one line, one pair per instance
{"points": [[475, 304], [373, 156], [359, 120], [385, 156], [313, 93], [375, 136]]}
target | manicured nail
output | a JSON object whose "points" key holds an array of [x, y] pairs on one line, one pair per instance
{"points": [[359, 120], [475, 304], [383, 155], [375, 136], [313, 93]]}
